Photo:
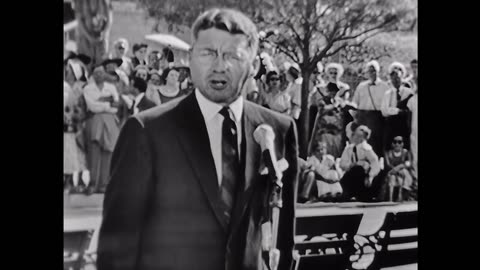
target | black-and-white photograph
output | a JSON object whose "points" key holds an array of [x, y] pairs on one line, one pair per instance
{"points": [[240, 134]]}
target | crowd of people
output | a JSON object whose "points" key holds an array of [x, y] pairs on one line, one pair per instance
{"points": [[362, 138]]}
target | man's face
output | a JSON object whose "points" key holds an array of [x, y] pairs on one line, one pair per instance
{"points": [[321, 149], [219, 64], [414, 67], [110, 68], [141, 53], [99, 75], [395, 79], [142, 73], [372, 73], [358, 136]]}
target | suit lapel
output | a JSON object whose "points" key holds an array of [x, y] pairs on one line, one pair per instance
{"points": [[196, 144]]}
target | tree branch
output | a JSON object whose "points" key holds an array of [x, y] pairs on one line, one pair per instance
{"points": [[379, 26]]}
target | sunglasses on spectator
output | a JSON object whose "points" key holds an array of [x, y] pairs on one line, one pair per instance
{"points": [[397, 141], [274, 79]]}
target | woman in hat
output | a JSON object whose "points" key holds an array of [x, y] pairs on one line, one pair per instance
{"points": [[74, 164], [332, 102], [121, 50], [274, 97]]}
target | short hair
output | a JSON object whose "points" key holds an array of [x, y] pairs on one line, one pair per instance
{"points": [[229, 20], [366, 131], [140, 84], [414, 61], [165, 73]]}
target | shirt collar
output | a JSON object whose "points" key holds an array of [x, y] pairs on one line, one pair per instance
{"points": [[377, 81], [138, 98], [209, 109]]}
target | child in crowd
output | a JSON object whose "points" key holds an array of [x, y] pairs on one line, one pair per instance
{"points": [[321, 168]]}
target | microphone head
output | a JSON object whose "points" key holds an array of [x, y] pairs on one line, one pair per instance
{"points": [[263, 134]]}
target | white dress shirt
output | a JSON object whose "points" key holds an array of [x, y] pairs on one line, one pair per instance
{"points": [[214, 121], [389, 102], [362, 98], [364, 153]]}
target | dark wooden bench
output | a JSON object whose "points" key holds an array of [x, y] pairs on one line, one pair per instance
{"points": [[74, 246], [395, 243], [332, 243]]}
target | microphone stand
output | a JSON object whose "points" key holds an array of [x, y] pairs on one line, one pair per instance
{"points": [[274, 205]]}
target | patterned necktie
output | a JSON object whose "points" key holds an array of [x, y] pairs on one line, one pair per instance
{"points": [[230, 162]]}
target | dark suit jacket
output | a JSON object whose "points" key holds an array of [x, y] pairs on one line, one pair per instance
{"points": [[145, 104], [162, 207]]}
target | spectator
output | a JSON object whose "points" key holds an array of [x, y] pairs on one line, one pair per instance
{"points": [[399, 166], [321, 168], [74, 162], [154, 58], [360, 164], [412, 106], [185, 80], [294, 90], [141, 71], [153, 86], [102, 128], [394, 109], [141, 102], [170, 90], [413, 78], [139, 54], [274, 97], [332, 102], [120, 51], [368, 99], [168, 59]]}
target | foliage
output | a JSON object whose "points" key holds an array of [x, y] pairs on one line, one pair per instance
{"points": [[306, 31]]}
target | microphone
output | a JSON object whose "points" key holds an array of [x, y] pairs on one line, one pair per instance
{"points": [[265, 136]]}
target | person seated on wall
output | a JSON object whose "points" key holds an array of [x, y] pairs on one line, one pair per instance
{"points": [[361, 166], [321, 169], [400, 177]]}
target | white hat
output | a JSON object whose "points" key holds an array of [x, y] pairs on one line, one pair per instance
{"points": [[397, 65], [374, 64], [336, 66]]}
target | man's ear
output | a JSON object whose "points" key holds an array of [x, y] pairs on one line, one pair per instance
{"points": [[255, 67]]}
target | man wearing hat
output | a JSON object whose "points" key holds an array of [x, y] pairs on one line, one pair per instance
{"points": [[139, 54], [360, 164]]}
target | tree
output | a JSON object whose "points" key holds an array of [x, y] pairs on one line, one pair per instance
{"points": [[94, 19], [308, 30]]}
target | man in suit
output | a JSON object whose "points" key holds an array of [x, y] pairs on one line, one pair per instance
{"points": [[186, 190]]}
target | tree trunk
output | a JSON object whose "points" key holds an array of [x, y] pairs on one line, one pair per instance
{"points": [[94, 19], [303, 127]]}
